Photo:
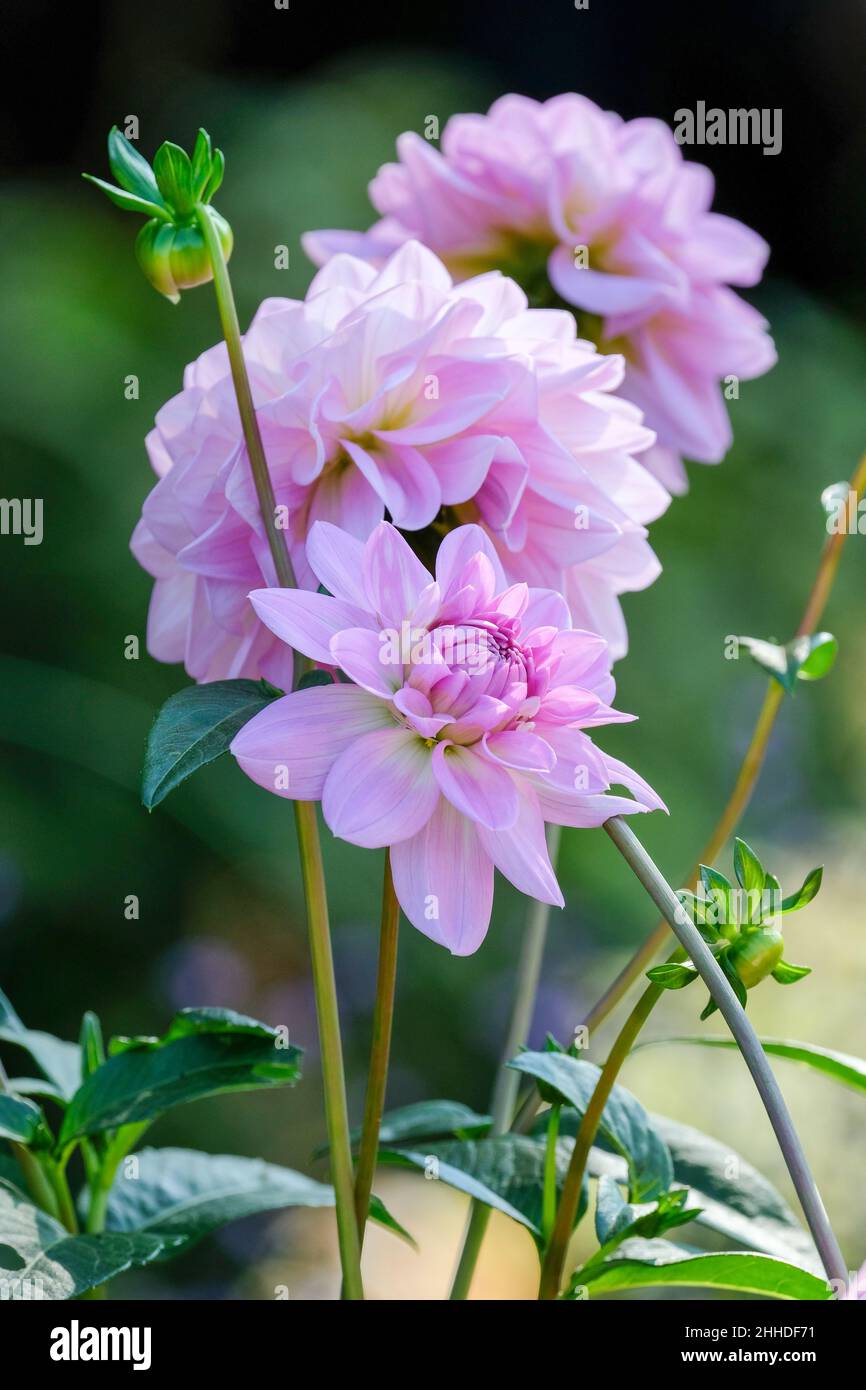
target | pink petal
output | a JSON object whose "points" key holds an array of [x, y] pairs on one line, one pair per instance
{"points": [[336, 558], [520, 853], [455, 552], [381, 789], [394, 577], [444, 881], [306, 621], [600, 293], [291, 745], [365, 658], [480, 788], [518, 749]]}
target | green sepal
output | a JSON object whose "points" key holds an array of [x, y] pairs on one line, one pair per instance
{"points": [[129, 202], [672, 975], [805, 893], [130, 168], [786, 974]]}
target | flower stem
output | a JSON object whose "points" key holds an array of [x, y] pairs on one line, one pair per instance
{"points": [[333, 1077], [250, 425], [507, 1080], [750, 767], [735, 1016], [548, 1202], [383, 1020]]}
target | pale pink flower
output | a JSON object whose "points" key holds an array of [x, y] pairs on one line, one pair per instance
{"points": [[605, 213], [463, 729], [394, 392]]}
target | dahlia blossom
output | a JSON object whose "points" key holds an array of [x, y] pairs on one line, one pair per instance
{"points": [[393, 391], [455, 728], [606, 214]]}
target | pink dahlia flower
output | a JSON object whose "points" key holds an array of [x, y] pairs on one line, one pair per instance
{"points": [[456, 726], [606, 214], [393, 391]]}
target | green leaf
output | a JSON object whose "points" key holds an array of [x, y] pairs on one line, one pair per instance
{"points": [[625, 1125], [839, 1066], [91, 1044], [613, 1214], [38, 1086], [662, 1264], [804, 658], [805, 893], [187, 1194], [203, 1053], [505, 1172], [748, 868], [23, 1121], [52, 1264], [59, 1061], [310, 678], [772, 658], [815, 655], [380, 1214], [430, 1119], [734, 1197], [131, 169], [672, 976], [786, 974], [617, 1220], [129, 202], [194, 727]]}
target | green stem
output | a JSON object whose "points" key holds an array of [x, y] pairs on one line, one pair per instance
{"points": [[65, 1204], [735, 1016], [36, 1179], [383, 1022], [750, 767], [507, 1081], [36, 1176], [250, 425], [333, 1078], [548, 1204]]}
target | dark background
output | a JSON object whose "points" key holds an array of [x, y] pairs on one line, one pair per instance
{"points": [[306, 104]]}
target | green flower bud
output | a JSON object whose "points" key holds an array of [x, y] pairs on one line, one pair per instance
{"points": [[173, 195], [755, 955], [175, 258]]}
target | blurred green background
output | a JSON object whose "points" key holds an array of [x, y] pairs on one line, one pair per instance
{"points": [[215, 868]]}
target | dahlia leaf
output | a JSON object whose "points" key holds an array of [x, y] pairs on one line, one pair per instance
{"points": [[194, 727], [734, 1198], [505, 1172], [662, 1264], [52, 1264], [625, 1125], [205, 1052], [816, 655]]}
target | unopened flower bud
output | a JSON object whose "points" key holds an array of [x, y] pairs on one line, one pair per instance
{"points": [[755, 955], [175, 258], [174, 194]]}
